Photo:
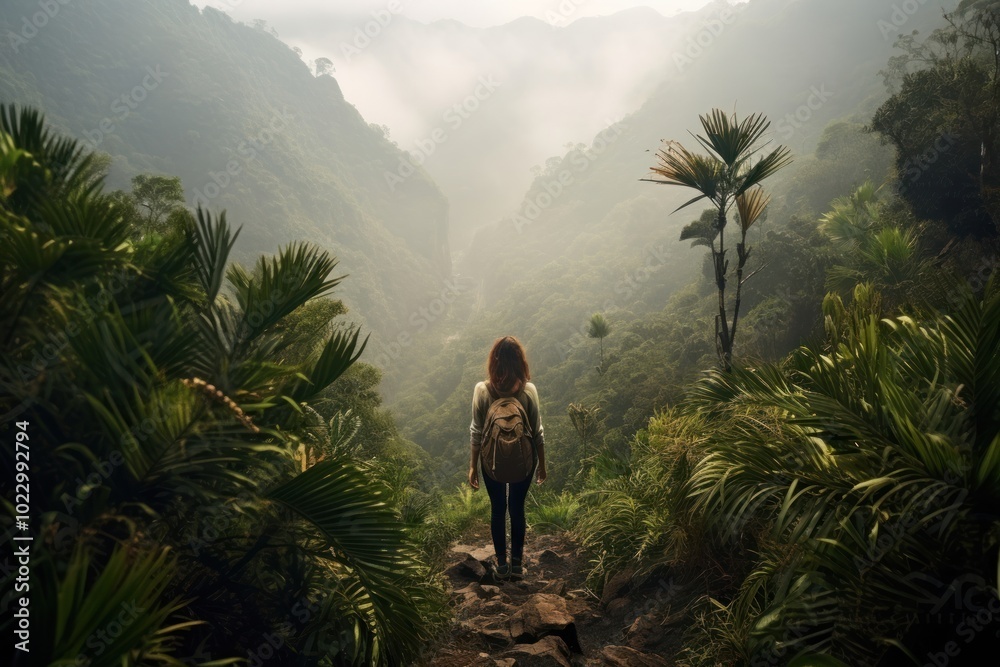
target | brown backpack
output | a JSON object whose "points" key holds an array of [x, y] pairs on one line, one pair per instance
{"points": [[508, 453]]}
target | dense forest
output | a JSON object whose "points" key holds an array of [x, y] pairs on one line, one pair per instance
{"points": [[237, 365]]}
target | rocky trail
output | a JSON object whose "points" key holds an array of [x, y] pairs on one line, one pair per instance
{"points": [[549, 619]]}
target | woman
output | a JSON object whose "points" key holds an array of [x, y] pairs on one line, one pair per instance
{"points": [[507, 370]]}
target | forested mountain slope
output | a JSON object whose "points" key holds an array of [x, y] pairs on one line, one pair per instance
{"points": [[165, 88], [590, 237]]}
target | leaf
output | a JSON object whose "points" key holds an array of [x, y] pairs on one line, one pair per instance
{"points": [[751, 205]]}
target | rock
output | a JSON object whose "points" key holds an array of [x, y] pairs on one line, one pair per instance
{"points": [[616, 587], [547, 652], [472, 591], [490, 592], [555, 587], [549, 558], [645, 631], [541, 615], [481, 554], [492, 629], [623, 656], [475, 592], [540, 612], [489, 608], [470, 568], [617, 608]]}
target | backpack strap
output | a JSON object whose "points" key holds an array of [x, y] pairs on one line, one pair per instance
{"points": [[521, 396]]}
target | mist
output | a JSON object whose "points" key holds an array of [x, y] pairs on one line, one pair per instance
{"points": [[416, 63]]}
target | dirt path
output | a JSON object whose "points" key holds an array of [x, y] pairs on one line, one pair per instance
{"points": [[549, 618]]}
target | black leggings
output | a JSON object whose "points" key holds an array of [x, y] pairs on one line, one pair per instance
{"points": [[501, 502]]}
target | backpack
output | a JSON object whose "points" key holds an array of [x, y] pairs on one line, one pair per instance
{"points": [[507, 453]]}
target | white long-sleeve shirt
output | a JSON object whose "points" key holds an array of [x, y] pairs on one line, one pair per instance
{"points": [[481, 400]]}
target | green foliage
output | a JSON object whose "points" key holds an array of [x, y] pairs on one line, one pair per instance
{"points": [[947, 155], [873, 487], [874, 247], [631, 522], [551, 512], [205, 495], [158, 195], [128, 591], [240, 119]]}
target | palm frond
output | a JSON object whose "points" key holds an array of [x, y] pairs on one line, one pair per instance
{"points": [[751, 205], [732, 141], [678, 166], [764, 168], [364, 533]]}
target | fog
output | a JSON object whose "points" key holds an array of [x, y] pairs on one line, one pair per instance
{"points": [[561, 75]]}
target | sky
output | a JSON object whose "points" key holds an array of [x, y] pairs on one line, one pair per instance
{"points": [[476, 13]]}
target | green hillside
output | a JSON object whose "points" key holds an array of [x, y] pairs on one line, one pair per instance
{"points": [[165, 88], [590, 237]]}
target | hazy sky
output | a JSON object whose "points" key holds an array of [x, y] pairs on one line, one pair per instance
{"points": [[479, 13], [558, 88]]}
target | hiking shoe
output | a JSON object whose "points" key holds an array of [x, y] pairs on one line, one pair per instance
{"points": [[503, 571], [516, 569]]}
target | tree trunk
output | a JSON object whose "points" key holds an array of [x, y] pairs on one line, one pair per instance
{"points": [[722, 322]]}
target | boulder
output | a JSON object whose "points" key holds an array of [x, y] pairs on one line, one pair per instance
{"points": [[493, 630], [468, 569], [645, 631], [617, 609], [549, 651], [541, 615], [481, 554], [472, 591], [623, 656], [616, 587], [490, 592]]}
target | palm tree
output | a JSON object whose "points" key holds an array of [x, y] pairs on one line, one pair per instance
{"points": [[854, 217], [167, 403], [873, 250], [599, 328], [862, 477], [727, 176]]}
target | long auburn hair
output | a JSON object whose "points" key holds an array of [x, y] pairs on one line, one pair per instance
{"points": [[507, 365]]}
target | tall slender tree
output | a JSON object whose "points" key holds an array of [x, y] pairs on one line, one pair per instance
{"points": [[599, 328], [730, 175], [585, 421]]}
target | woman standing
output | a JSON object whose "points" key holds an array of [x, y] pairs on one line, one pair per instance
{"points": [[507, 370]]}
